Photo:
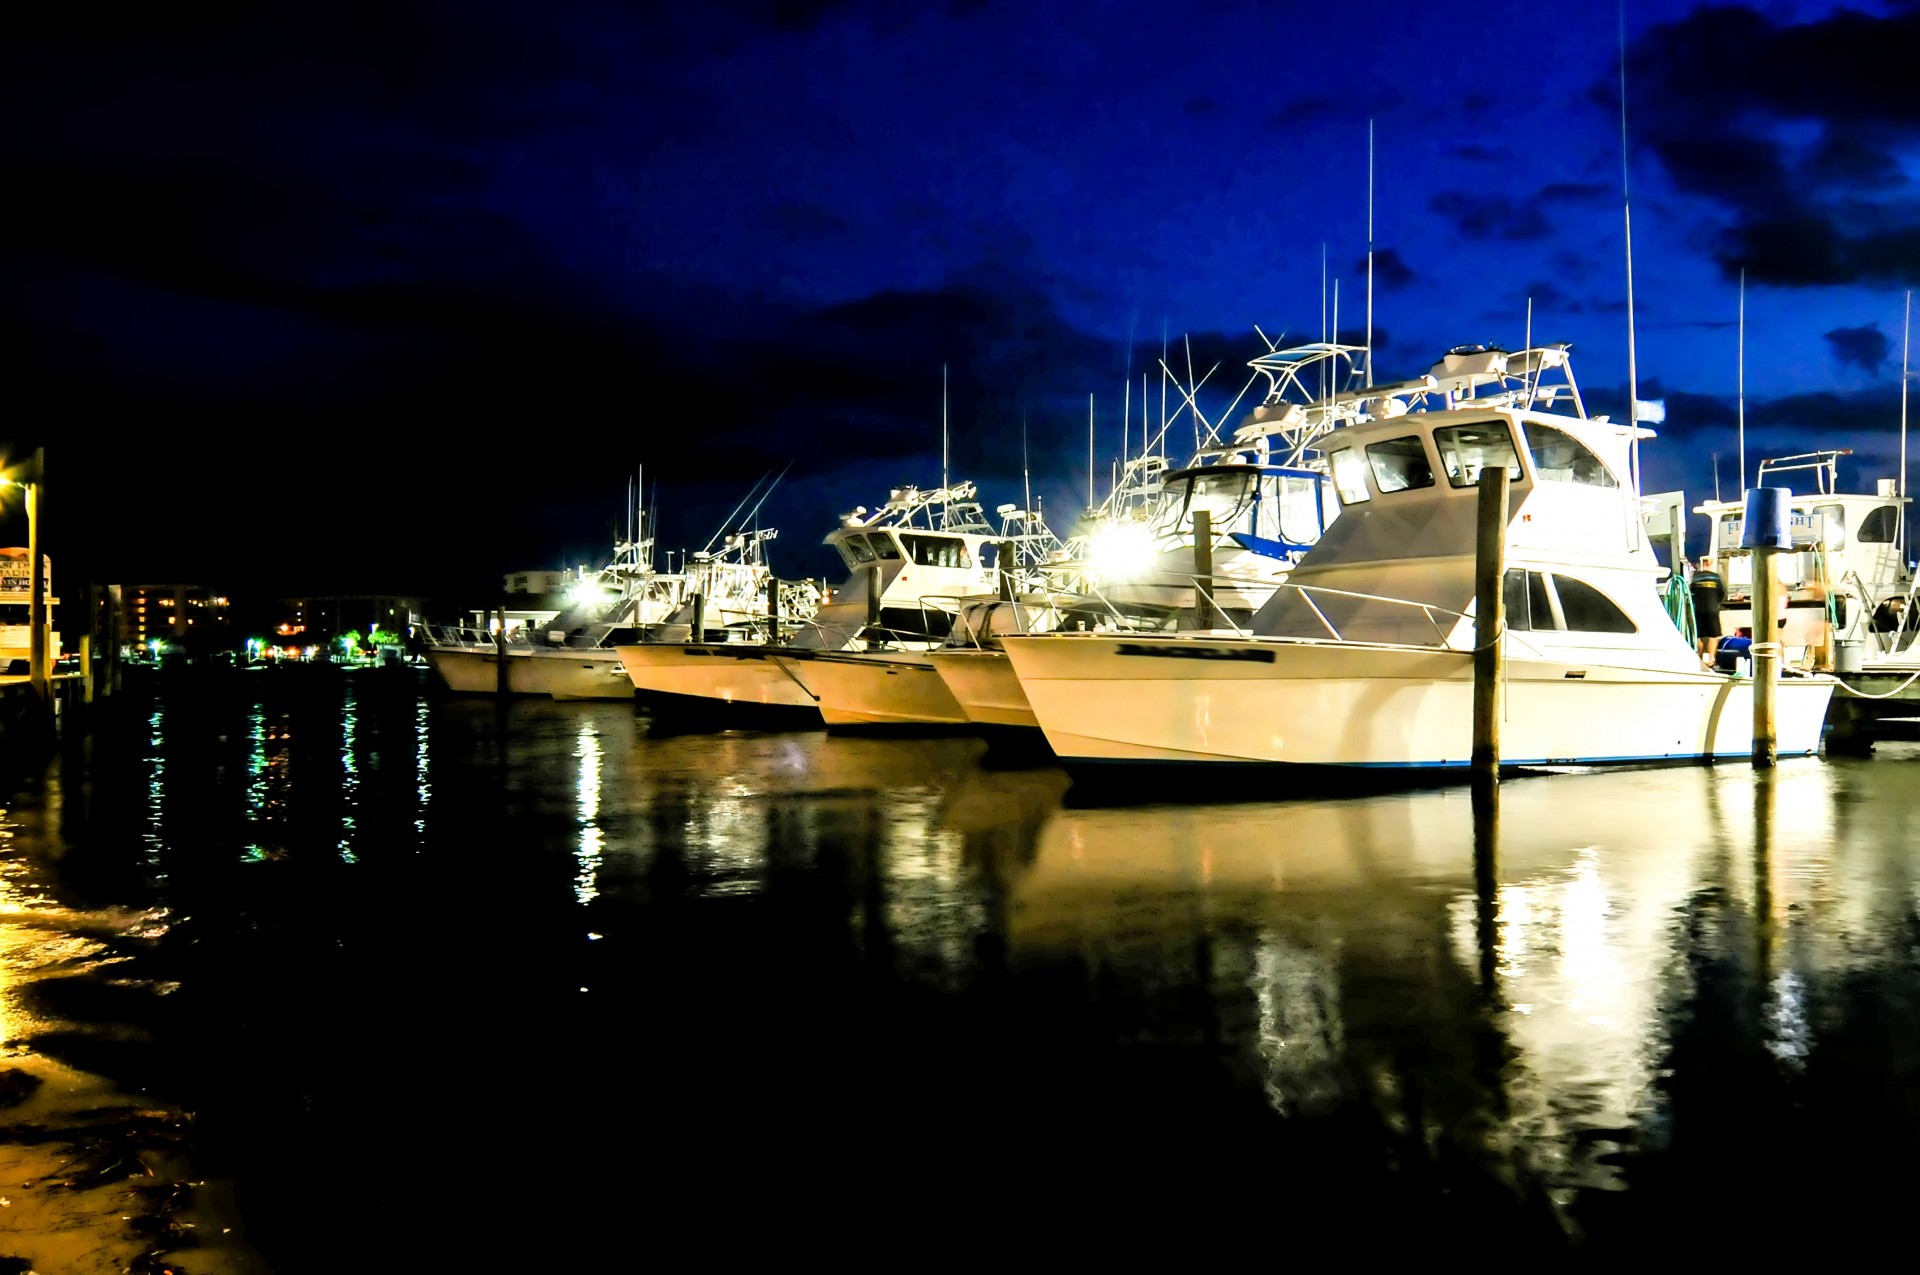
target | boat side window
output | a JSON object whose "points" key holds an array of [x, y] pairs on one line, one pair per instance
{"points": [[1878, 526], [884, 546], [937, 551], [1587, 610], [1465, 450], [1559, 457], [1349, 476], [1400, 464], [857, 550], [1833, 525], [1519, 613]]}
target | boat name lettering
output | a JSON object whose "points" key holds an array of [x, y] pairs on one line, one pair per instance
{"points": [[1171, 651]]}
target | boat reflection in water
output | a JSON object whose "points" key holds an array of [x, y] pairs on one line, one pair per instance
{"points": [[865, 978]]}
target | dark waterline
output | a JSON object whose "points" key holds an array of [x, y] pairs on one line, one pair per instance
{"points": [[459, 983]]}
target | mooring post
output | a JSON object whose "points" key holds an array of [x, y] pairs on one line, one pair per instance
{"points": [[873, 607], [1489, 623], [1202, 569], [110, 635], [697, 631], [1009, 561], [1766, 661], [37, 683], [773, 610], [500, 650], [1765, 529]]}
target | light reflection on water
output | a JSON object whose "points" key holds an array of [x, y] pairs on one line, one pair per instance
{"points": [[1653, 951]]}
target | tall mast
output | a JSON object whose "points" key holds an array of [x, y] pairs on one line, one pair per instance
{"points": [[1369, 254], [943, 443], [1742, 399], [1626, 209], [1089, 451], [1906, 344]]}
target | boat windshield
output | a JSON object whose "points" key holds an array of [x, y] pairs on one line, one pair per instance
{"points": [[1465, 450], [1223, 491]]}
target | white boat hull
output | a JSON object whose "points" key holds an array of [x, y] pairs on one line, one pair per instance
{"points": [[582, 674], [714, 676], [1115, 699], [985, 686], [587, 674], [875, 688]]}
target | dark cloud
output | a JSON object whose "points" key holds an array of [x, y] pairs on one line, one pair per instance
{"points": [[1476, 103], [1477, 154], [1786, 125], [1306, 110], [1863, 347], [1575, 192], [1202, 105], [1391, 273], [1479, 216]]}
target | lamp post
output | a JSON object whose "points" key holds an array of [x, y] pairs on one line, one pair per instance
{"points": [[37, 588]]}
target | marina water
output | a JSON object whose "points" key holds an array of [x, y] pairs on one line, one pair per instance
{"points": [[455, 984]]}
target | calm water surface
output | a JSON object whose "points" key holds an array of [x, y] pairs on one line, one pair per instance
{"points": [[534, 987]]}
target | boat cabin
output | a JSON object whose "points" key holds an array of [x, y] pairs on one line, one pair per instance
{"points": [[1581, 570]]}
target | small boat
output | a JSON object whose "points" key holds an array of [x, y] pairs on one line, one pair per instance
{"points": [[910, 561], [1363, 659], [1849, 590]]}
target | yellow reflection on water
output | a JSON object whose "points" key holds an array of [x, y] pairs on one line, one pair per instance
{"points": [[587, 752]]}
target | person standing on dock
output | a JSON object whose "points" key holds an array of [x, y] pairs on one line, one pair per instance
{"points": [[1708, 591]]}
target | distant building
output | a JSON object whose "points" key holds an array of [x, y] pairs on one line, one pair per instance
{"points": [[171, 612], [323, 618]]}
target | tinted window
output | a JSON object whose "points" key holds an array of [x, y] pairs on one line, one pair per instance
{"points": [[1467, 449], [1349, 476], [936, 551], [1400, 464], [1587, 610], [1519, 615], [884, 546], [1559, 457], [1877, 527], [857, 551]]}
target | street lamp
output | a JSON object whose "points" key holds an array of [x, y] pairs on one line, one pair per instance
{"points": [[37, 590]]}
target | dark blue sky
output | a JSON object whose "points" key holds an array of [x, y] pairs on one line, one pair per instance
{"points": [[396, 296]]}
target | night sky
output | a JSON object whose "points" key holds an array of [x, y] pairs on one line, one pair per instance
{"points": [[390, 296]]}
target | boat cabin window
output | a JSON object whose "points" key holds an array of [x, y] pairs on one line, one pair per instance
{"points": [[936, 551], [856, 549], [1467, 449], [884, 546], [1878, 526], [1349, 475], [1539, 602], [1833, 525], [1526, 596], [1222, 493], [1400, 464], [1559, 457]]}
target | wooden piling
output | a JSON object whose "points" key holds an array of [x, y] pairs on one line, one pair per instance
{"points": [[697, 631], [1202, 569], [874, 636], [500, 685], [1009, 560], [773, 610], [1766, 660], [38, 685], [1490, 623]]}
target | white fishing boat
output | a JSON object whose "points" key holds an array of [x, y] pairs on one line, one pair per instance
{"points": [[1363, 659], [909, 561], [1131, 565], [1848, 588]]}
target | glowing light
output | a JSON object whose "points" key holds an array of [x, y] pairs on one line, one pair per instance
{"points": [[1122, 550]]}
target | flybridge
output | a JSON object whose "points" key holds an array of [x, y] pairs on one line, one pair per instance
{"points": [[957, 505], [1537, 378]]}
